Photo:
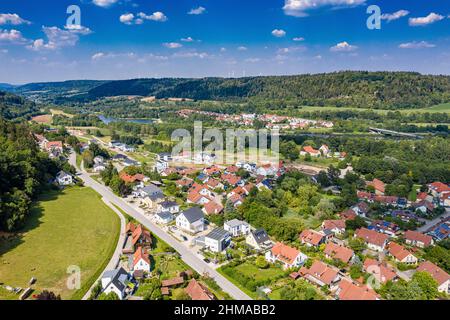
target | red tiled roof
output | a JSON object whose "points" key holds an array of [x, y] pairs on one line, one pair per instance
{"points": [[321, 272], [417, 236], [397, 251], [141, 233], [439, 187], [310, 149], [378, 185], [195, 197], [333, 224], [348, 215], [437, 273], [231, 179], [235, 198], [140, 254], [311, 237], [381, 271], [54, 144], [172, 282], [198, 291], [232, 169], [338, 252], [422, 196], [126, 177], [371, 236], [350, 291], [213, 207], [284, 252]]}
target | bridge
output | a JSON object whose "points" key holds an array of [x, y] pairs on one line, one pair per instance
{"points": [[394, 133]]}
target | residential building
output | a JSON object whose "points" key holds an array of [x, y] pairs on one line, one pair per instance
{"points": [[378, 185], [212, 207], [418, 239], [442, 277], [218, 240], [141, 237], [191, 220], [115, 281], [312, 238], [347, 290], [168, 206], [438, 188], [321, 274], [375, 240], [258, 239], [164, 217], [381, 271], [197, 291], [400, 254], [311, 151], [237, 227], [385, 227], [289, 257], [141, 260], [361, 209], [335, 251], [441, 230], [64, 179], [335, 226]]}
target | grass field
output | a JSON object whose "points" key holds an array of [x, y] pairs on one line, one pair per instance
{"points": [[73, 227]]}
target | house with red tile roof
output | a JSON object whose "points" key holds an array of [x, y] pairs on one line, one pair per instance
{"points": [[374, 240], [214, 184], [288, 256], [141, 260], [335, 251], [321, 274], [212, 170], [400, 254], [212, 207], [381, 271], [438, 188], [231, 179], [54, 145], [348, 215], [197, 198], [236, 200], [184, 182], [442, 277], [197, 291], [310, 150], [141, 237], [335, 226], [312, 238], [418, 239], [347, 290], [232, 169], [378, 185]]}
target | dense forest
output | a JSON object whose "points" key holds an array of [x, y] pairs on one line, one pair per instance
{"points": [[12, 106], [24, 172], [380, 90]]}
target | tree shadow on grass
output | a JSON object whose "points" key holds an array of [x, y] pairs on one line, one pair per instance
{"points": [[32, 221]]}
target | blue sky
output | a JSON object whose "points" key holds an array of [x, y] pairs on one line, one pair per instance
{"points": [[120, 39]]}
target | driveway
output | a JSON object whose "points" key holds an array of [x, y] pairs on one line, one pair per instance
{"points": [[186, 255]]}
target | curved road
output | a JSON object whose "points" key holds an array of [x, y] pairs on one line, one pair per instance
{"points": [[188, 257]]}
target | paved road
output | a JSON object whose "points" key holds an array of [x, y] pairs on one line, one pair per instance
{"points": [[188, 257], [431, 223]]}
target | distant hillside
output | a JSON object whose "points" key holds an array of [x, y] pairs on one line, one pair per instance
{"points": [[384, 90], [381, 90], [12, 106]]}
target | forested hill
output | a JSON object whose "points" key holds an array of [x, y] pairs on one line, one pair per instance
{"points": [[386, 90], [13, 106]]}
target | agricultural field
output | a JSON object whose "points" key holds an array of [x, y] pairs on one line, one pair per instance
{"points": [[68, 228]]}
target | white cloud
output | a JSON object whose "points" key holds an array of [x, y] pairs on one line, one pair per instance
{"points": [[394, 16], [343, 47], [283, 51], [74, 28], [423, 21], [189, 39], [299, 8], [98, 56], [279, 33], [223, 49], [298, 39], [200, 55], [104, 3], [155, 16], [252, 60], [197, 11], [416, 45], [172, 45], [127, 18], [242, 48], [12, 18], [13, 36], [57, 38]]}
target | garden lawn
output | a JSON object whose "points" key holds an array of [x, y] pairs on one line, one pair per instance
{"points": [[72, 227]]}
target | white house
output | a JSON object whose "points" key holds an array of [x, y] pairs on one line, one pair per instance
{"points": [[237, 227], [99, 167], [218, 240], [115, 281], [258, 239], [141, 260], [288, 256], [64, 178], [191, 220], [168, 206], [164, 217]]}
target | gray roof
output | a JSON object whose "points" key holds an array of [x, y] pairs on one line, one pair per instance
{"points": [[193, 214], [152, 190], [168, 204], [218, 234], [118, 278], [260, 236], [235, 223], [165, 215]]}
